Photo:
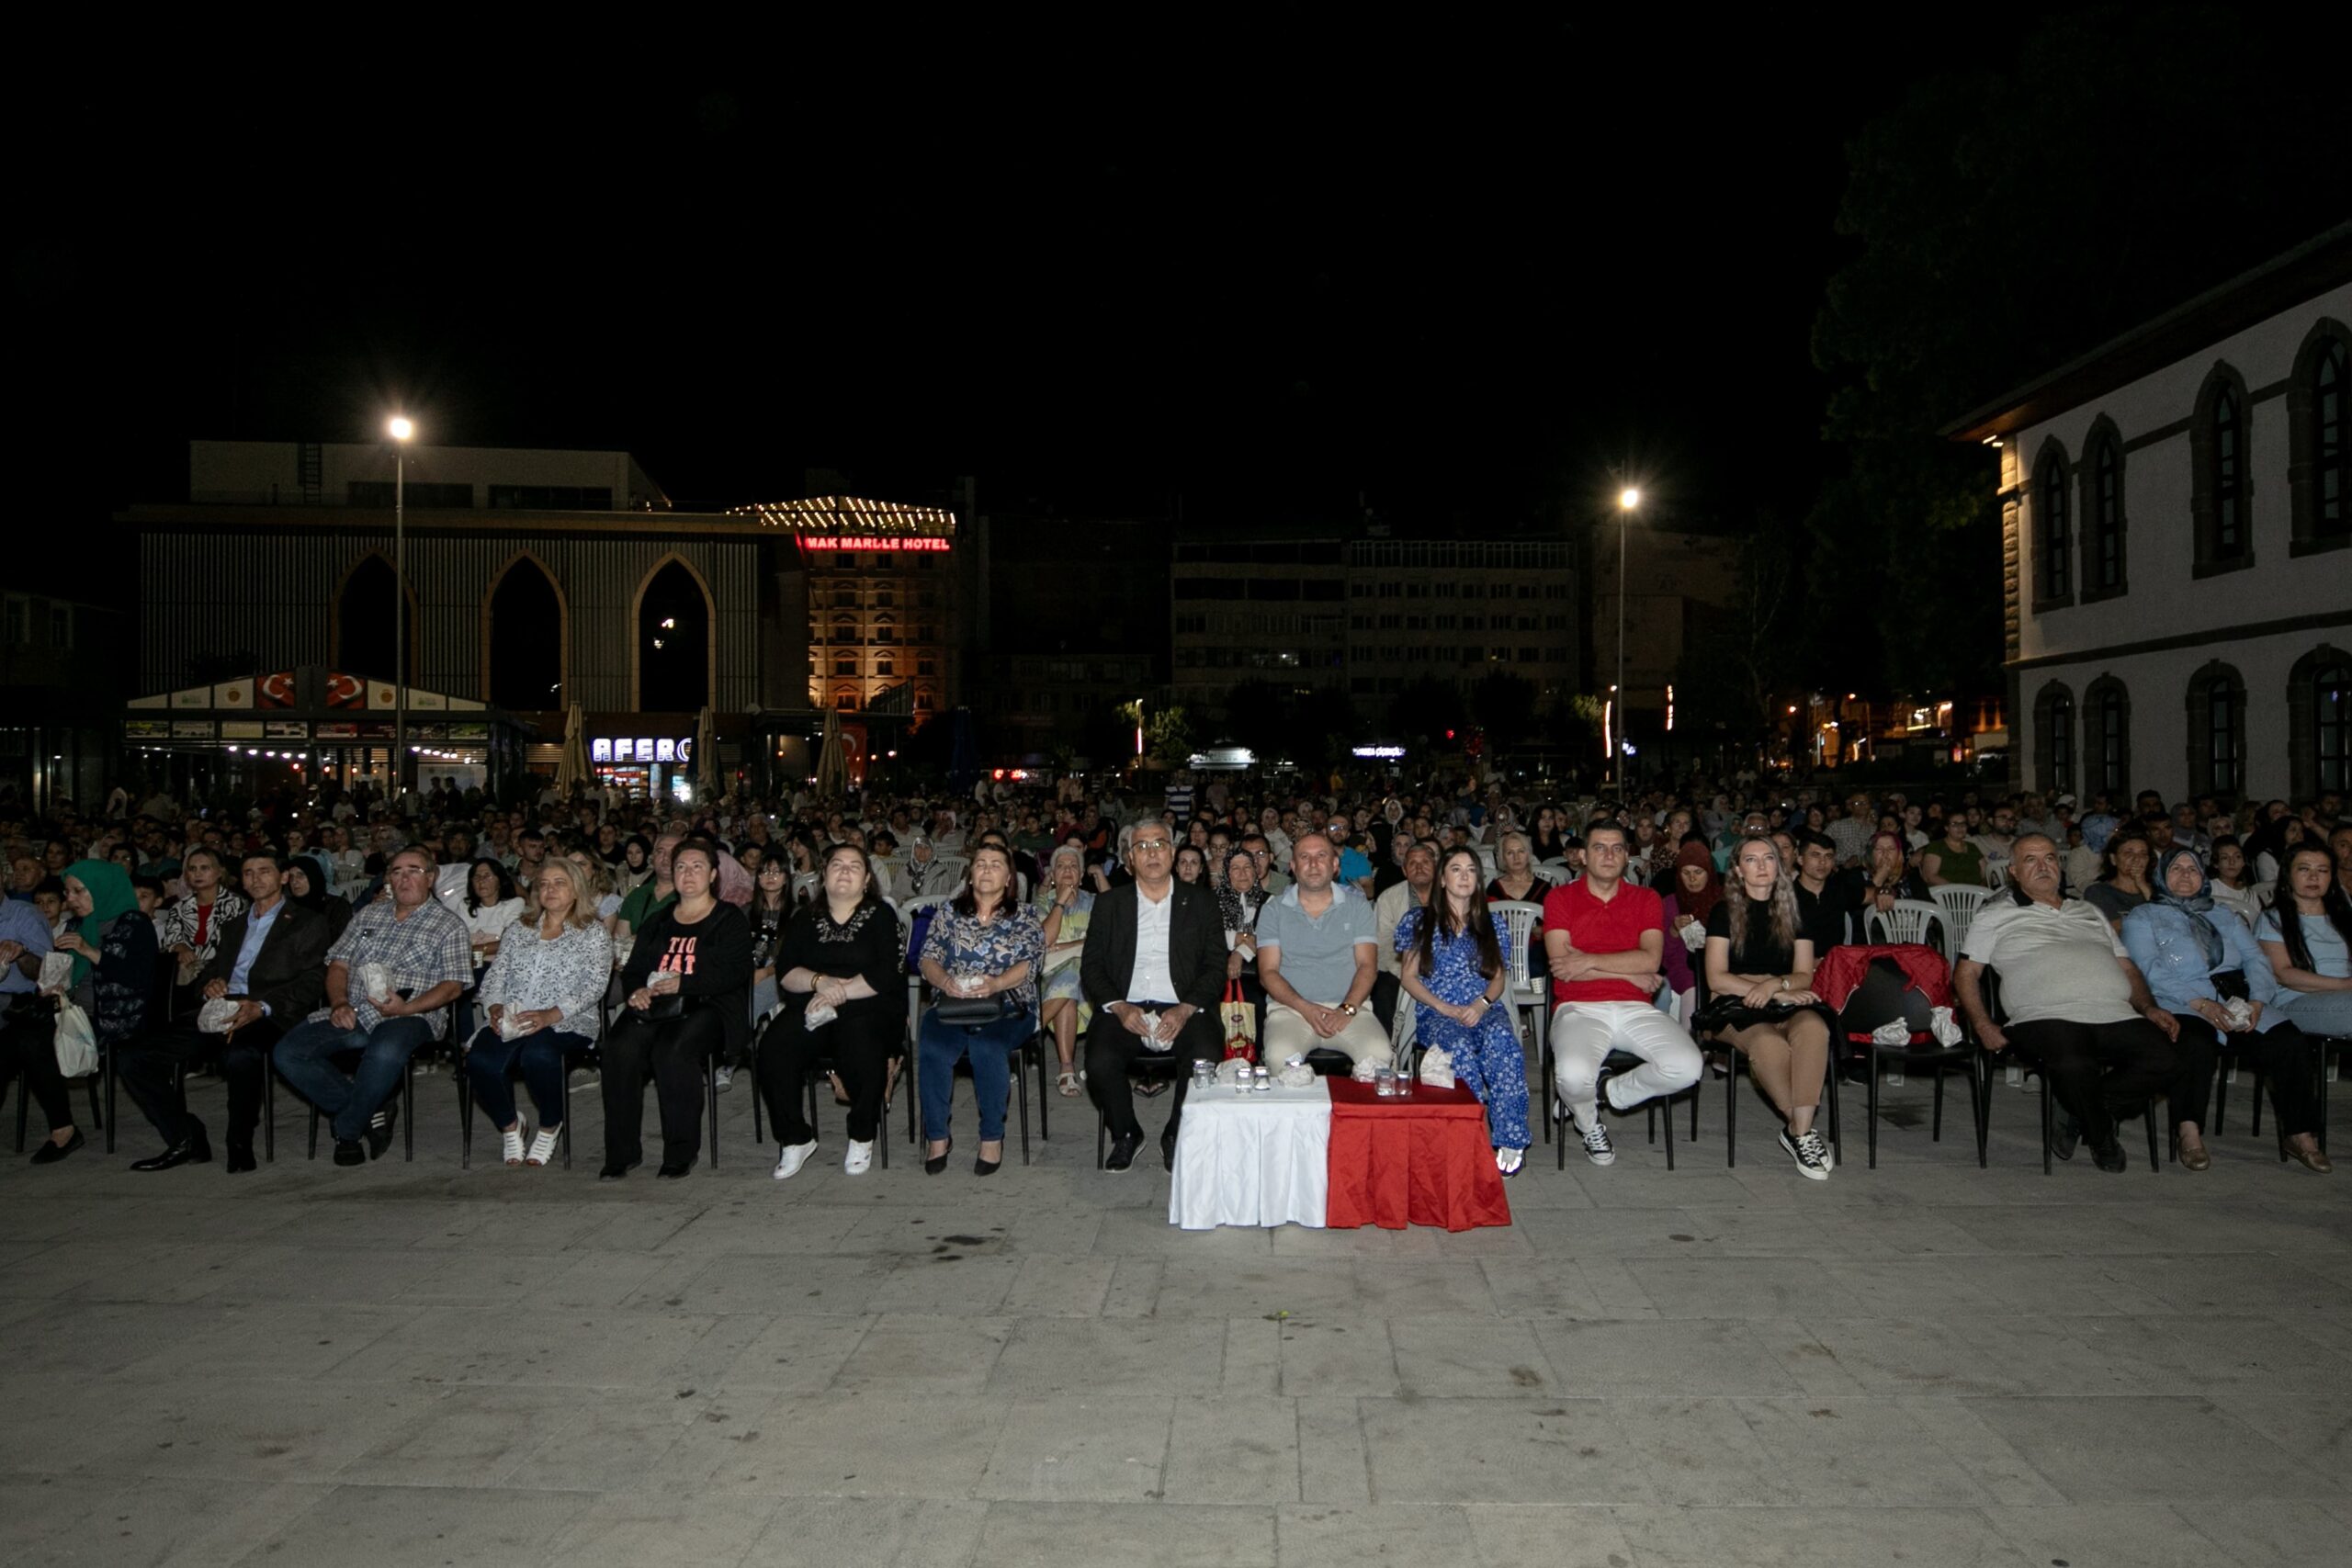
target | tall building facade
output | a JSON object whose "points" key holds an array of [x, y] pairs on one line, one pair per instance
{"points": [[1458, 609]]}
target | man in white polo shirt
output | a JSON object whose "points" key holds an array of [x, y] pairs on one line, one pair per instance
{"points": [[2078, 1011], [1317, 958]]}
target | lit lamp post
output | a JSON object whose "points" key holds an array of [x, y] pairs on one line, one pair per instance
{"points": [[400, 429], [1628, 499]]}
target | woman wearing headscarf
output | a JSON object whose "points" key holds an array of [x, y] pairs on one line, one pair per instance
{"points": [[113, 979], [2202, 963], [310, 883], [1697, 888]]}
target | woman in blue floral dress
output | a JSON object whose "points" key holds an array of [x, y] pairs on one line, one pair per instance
{"points": [[1451, 964]]}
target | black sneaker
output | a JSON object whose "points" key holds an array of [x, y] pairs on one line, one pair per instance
{"points": [[1808, 1153], [1123, 1152], [674, 1169], [348, 1151], [380, 1130], [1600, 1093]]}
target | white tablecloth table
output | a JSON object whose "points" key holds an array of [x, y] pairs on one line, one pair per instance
{"points": [[1252, 1159]]}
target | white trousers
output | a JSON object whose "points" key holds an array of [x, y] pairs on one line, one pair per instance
{"points": [[1583, 1034], [1288, 1035]]}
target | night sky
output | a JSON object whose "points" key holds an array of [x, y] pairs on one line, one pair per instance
{"points": [[1463, 273]]}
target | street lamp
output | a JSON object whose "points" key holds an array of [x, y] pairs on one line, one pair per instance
{"points": [[1628, 499], [400, 429]]}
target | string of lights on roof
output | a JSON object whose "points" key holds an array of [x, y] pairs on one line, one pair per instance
{"points": [[852, 515]]}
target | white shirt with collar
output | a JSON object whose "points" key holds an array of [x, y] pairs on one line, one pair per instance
{"points": [[1150, 980]]}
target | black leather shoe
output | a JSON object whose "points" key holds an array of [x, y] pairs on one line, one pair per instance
{"points": [[350, 1151], [241, 1159], [49, 1154], [380, 1131], [615, 1169], [1123, 1152], [177, 1154], [673, 1170], [2110, 1156], [933, 1164], [2065, 1133]]}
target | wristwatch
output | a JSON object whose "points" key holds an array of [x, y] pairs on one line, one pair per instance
{"points": [[1347, 1008]]}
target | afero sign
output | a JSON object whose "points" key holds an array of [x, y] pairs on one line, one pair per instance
{"points": [[642, 749]]}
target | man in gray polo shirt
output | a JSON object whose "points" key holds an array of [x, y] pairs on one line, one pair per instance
{"points": [[2076, 1007], [1317, 959]]}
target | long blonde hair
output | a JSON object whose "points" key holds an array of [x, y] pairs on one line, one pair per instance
{"points": [[583, 912], [1782, 901]]}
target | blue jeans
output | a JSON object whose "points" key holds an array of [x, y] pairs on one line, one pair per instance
{"points": [[305, 1060], [940, 1047], [543, 1053]]}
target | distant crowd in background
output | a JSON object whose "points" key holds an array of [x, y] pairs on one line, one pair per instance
{"points": [[335, 936]]}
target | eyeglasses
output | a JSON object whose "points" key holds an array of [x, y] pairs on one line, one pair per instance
{"points": [[1148, 846]]}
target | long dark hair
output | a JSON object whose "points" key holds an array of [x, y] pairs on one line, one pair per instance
{"points": [[1475, 918], [2332, 903], [505, 883]]}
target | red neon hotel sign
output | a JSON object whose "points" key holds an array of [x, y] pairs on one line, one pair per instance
{"points": [[884, 542]]}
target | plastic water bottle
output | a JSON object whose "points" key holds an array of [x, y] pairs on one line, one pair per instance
{"points": [[1894, 1073], [2014, 1074]]}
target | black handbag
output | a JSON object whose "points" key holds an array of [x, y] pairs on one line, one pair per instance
{"points": [[2230, 986], [973, 1012]]}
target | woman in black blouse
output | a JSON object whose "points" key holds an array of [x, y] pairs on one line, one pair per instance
{"points": [[687, 982], [1759, 974], [843, 953]]}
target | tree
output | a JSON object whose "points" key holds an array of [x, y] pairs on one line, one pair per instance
{"points": [[1167, 731], [2011, 218], [1504, 704]]}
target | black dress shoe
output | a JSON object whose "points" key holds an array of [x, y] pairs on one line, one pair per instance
{"points": [[2110, 1156], [616, 1168], [673, 1170], [1123, 1152], [241, 1159], [2065, 1133], [380, 1130], [177, 1154], [49, 1154], [349, 1151], [933, 1164]]}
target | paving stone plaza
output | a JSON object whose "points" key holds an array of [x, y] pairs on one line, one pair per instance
{"points": [[409, 1364]]}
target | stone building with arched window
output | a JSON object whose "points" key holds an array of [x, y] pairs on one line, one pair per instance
{"points": [[2209, 657]]}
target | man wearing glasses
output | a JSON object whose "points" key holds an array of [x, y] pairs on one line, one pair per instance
{"points": [[427, 963], [1152, 971]]}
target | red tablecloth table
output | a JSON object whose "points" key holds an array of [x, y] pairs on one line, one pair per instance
{"points": [[1422, 1161]]}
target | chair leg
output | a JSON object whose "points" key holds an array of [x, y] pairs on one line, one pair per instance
{"points": [[2257, 1109], [2154, 1164], [408, 1117], [314, 1132], [1836, 1134], [1666, 1113], [1543, 1070], [1936, 1121], [1874, 1110], [2049, 1125], [1979, 1089], [757, 1139], [1020, 1095], [105, 1066], [1730, 1113], [2221, 1099], [1102, 1132], [565, 1137], [269, 1106], [21, 1098], [466, 1118], [1045, 1130], [710, 1092]]}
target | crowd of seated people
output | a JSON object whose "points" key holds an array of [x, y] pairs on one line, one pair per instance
{"points": [[339, 941]]}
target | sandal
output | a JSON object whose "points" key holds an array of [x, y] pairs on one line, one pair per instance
{"points": [[1066, 1084], [510, 1143], [543, 1143]]}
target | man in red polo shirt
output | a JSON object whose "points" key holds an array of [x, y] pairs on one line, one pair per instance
{"points": [[1603, 937]]}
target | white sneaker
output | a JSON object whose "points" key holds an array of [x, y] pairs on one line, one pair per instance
{"points": [[1507, 1161], [1596, 1146], [724, 1077], [859, 1160], [795, 1155]]}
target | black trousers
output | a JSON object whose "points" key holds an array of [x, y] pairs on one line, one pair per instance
{"points": [[1110, 1048], [858, 1044], [676, 1052], [1386, 990], [29, 1050], [145, 1069], [2283, 1053], [2097, 1069]]}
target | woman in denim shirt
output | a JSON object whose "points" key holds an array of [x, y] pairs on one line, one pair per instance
{"points": [[2195, 960]]}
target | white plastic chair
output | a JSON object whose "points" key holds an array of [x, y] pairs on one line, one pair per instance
{"points": [[1996, 876], [1959, 905], [1527, 990], [1555, 871], [1907, 922]]}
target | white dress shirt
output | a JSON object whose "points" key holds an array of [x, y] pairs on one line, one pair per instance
{"points": [[1150, 981]]}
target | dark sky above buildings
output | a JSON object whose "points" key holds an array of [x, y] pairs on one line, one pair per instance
{"points": [[1463, 271]]}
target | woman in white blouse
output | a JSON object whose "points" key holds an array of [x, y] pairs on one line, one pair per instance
{"points": [[544, 994]]}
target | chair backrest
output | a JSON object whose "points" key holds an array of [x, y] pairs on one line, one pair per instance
{"points": [[1996, 876], [1906, 922], [805, 884], [1555, 871], [1959, 905], [1519, 922]]}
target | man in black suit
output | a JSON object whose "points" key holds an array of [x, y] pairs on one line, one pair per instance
{"points": [[1153, 970], [271, 961]]}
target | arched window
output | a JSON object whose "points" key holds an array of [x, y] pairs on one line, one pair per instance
{"points": [[2319, 406], [2216, 731], [523, 632], [844, 663], [2055, 551], [845, 699], [2107, 743], [673, 641], [2102, 523], [2221, 488], [2318, 723], [363, 643], [2053, 712], [885, 631]]}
